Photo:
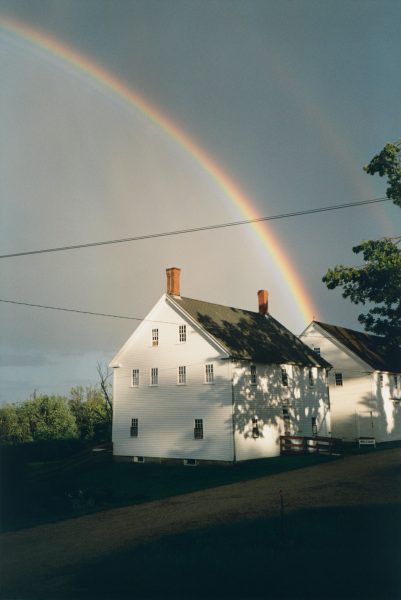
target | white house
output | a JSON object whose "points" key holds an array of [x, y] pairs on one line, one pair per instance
{"points": [[202, 381], [365, 382]]}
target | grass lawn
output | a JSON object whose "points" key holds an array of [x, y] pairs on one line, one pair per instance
{"points": [[338, 553], [40, 492]]}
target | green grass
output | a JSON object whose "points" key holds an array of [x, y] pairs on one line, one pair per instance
{"points": [[40, 492], [337, 553]]}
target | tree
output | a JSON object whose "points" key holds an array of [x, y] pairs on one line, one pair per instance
{"points": [[92, 407], [89, 409], [387, 163], [48, 418], [11, 429], [378, 280], [42, 417]]}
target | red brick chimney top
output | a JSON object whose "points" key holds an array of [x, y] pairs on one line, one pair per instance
{"points": [[173, 281], [263, 298]]}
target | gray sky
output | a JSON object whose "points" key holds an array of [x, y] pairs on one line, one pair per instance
{"points": [[290, 99]]}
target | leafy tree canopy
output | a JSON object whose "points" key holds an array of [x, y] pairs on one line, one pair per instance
{"points": [[378, 281], [387, 164]]}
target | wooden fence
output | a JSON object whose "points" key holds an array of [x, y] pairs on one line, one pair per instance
{"points": [[298, 444]]}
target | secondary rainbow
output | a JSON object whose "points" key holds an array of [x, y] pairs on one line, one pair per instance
{"points": [[127, 94]]}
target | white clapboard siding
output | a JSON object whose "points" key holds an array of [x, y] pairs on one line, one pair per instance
{"points": [[361, 407], [265, 401], [166, 413]]}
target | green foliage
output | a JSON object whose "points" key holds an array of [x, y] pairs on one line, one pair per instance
{"points": [[49, 417], [86, 415], [387, 163], [378, 281], [11, 429], [90, 411], [42, 417]]}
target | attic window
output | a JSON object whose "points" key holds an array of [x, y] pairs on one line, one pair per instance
{"points": [[316, 351], [381, 379], [339, 379], [209, 374], [284, 376], [182, 334], [155, 337], [311, 379]]}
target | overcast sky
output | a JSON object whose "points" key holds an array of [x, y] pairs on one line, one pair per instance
{"points": [[290, 99]]}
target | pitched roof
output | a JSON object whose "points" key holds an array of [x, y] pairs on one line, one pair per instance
{"points": [[249, 335], [366, 346]]}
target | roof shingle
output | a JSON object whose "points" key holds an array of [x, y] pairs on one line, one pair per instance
{"points": [[249, 335], [366, 346]]}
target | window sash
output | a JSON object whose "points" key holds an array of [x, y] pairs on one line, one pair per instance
{"points": [[182, 334], [284, 377], [155, 337], [182, 375], [338, 379], [135, 377], [198, 429], [253, 374], [154, 376], [209, 373], [134, 428]]}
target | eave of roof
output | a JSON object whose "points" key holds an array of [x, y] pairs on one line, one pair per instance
{"points": [[248, 335], [365, 346]]}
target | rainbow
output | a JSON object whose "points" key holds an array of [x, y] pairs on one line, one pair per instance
{"points": [[89, 68]]}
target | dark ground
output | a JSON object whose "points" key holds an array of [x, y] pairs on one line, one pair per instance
{"points": [[340, 537]]}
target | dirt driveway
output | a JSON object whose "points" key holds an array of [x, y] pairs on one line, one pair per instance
{"points": [[34, 561]]}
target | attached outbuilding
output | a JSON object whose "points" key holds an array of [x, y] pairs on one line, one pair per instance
{"points": [[199, 381], [365, 382]]}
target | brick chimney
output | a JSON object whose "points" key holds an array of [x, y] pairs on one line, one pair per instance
{"points": [[173, 281], [263, 298]]}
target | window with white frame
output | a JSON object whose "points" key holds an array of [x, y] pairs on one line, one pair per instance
{"points": [[255, 428], [396, 381], [316, 350], [209, 373], [286, 421], [182, 375], [135, 377], [154, 376], [314, 426], [253, 374], [338, 379], [134, 428], [182, 334], [311, 378], [198, 429], [284, 376], [155, 337], [381, 380]]}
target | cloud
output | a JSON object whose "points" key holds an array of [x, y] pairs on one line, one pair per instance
{"points": [[24, 360]]}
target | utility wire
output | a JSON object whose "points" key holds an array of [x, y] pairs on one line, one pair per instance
{"points": [[85, 312], [196, 229]]}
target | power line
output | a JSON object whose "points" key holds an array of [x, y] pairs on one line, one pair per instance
{"points": [[85, 312], [196, 229]]}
